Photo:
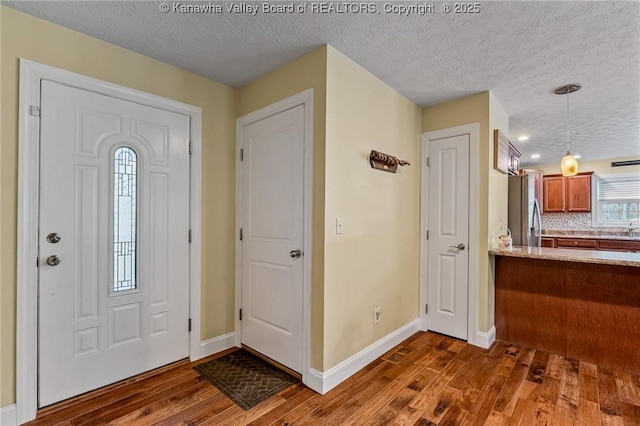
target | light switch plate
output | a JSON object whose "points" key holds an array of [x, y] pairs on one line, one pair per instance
{"points": [[339, 225]]}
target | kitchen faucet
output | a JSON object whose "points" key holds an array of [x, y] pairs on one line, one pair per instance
{"points": [[630, 233]]}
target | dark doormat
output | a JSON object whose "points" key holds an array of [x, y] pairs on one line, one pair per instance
{"points": [[245, 378]]}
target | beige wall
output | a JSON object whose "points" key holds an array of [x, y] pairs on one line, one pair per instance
{"points": [[23, 36], [498, 196], [354, 113], [376, 260], [308, 71], [600, 167], [498, 182], [472, 109]]}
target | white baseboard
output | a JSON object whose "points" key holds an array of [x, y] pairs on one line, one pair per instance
{"points": [[485, 339], [8, 415], [324, 382], [217, 344]]}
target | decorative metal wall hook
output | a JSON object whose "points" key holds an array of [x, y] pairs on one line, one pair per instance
{"points": [[386, 162]]}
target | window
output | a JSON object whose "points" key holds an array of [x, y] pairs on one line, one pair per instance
{"points": [[617, 201], [124, 219]]}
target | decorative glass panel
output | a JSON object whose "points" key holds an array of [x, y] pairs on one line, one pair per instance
{"points": [[124, 220]]}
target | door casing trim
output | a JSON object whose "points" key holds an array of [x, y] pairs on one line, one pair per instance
{"points": [[31, 73], [473, 130], [303, 98]]}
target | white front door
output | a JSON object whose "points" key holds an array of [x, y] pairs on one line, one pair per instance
{"points": [[113, 240], [272, 231], [448, 224]]}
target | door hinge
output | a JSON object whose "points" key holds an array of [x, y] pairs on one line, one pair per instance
{"points": [[190, 235], [241, 154], [426, 309], [240, 234], [37, 262], [427, 234], [240, 314], [190, 147], [428, 162], [34, 110], [189, 325]]}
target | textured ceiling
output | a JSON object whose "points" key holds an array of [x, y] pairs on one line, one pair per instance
{"points": [[519, 50]]}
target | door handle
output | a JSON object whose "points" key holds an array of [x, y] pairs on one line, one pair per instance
{"points": [[459, 247], [53, 260], [295, 253]]}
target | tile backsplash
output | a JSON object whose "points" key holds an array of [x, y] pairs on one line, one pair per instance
{"points": [[566, 221], [572, 222]]}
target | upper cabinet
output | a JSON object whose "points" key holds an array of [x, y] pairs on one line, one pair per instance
{"points": [[514, 160], [579, 193], [506, 157], [570, 194], [554, 194]]}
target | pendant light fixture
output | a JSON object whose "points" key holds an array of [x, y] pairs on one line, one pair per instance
{"points": [[569, 164]]}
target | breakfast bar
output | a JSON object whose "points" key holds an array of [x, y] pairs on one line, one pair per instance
{"points": [[581, 304]]}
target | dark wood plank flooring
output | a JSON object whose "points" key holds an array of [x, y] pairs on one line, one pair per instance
{"points": [[429, 379]]}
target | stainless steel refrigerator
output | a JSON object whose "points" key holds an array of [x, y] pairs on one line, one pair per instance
{"points": [[524, 220]]}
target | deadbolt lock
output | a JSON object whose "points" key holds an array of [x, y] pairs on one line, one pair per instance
{"points": [[53, 238]]}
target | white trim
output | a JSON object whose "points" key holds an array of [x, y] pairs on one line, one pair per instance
{"points": [[324, 382], [303, 98], [217, 344], [31, 73], [8, 415], [473, 130], [195, 221], [485, 340]]}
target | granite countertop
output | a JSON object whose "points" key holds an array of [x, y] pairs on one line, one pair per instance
{"points": [[591, 235], [571, 255]]}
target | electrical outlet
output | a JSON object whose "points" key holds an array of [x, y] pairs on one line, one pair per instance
{"points": [[377, 313]]}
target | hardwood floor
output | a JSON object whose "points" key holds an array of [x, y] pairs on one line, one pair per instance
{"points": [[429, 379]]}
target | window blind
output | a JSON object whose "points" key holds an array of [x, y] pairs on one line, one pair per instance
{"points": [[627, 188]]}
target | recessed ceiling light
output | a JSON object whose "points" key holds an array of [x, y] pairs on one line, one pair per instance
{"points": [[523, 138], [577, 156], [535, 155]]}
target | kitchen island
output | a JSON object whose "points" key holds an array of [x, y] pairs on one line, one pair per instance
{"points": [[581, 304]]}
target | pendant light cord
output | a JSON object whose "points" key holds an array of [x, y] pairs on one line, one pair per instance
{"points": [[568, 144]]}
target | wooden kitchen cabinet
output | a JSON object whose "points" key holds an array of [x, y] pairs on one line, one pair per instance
{"points": [[506, 157], [568, 194], [554, 194], [548, 242], [514, 160], [619, 245], [576, 243], [579, 193], [591, 243]]}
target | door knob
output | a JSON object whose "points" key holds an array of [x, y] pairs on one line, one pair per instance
{"points": [[295, 253], [459, 247], [53, 260]]}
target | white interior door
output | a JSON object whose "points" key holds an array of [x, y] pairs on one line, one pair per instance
{"points": [[448, 254], [114, 197], [272, 228]]}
